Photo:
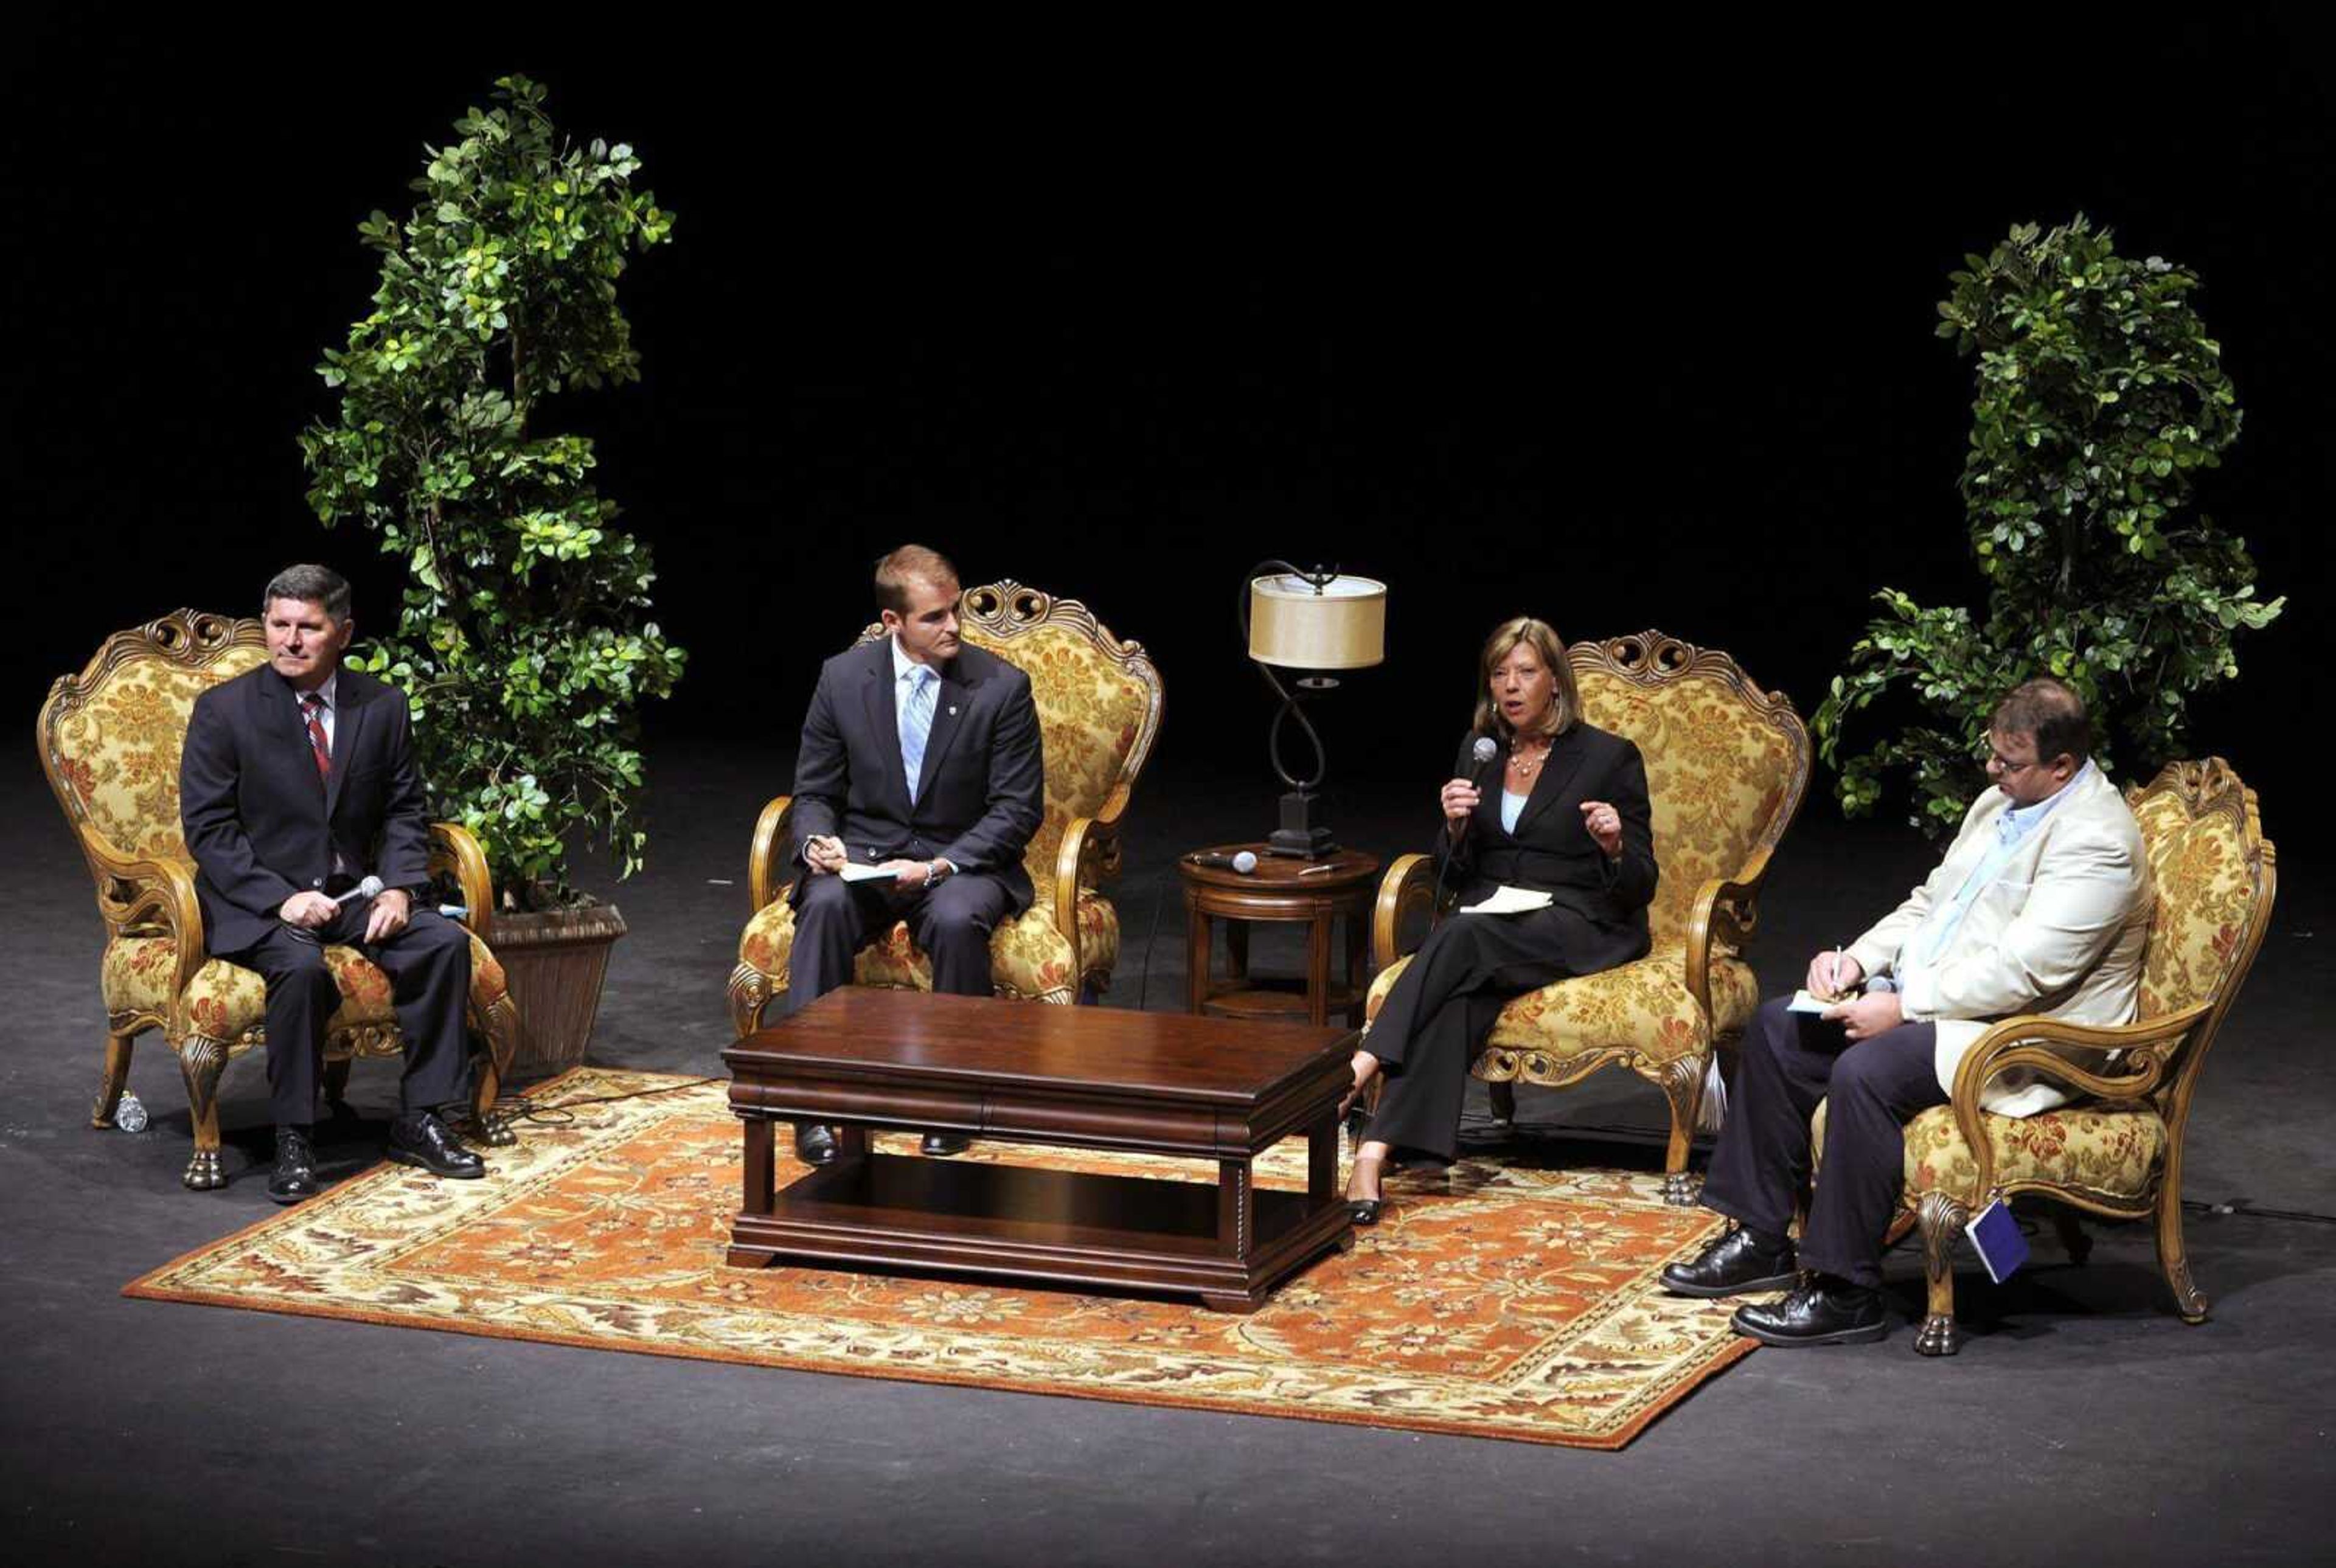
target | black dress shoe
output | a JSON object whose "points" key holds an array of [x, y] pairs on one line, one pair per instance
{"points": [[424, 1141], [815, 1144], [1821, 1310], [943, 1143], [1739, 1262], [1365, 1211], [295, 1176]]}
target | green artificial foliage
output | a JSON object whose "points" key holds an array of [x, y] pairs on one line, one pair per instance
{"points": [[2100, 399], [523, 643]]}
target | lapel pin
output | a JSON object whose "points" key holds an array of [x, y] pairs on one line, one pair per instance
{"points": [[952, 710]]}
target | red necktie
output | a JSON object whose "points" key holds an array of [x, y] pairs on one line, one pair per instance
{"points": [[313, 706]]}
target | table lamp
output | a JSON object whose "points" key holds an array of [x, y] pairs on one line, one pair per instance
{"points": [[1317, 622]]}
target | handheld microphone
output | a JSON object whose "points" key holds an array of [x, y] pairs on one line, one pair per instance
{"points": [[1486, 749], [1244, 862], [371, 888]]}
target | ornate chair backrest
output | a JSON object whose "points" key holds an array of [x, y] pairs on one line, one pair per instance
{"points": [[2217, 876], [1727, 763], [1098, 701], [110, 736]]}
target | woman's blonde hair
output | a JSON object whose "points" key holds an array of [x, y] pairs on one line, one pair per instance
{"points": [[1565, 701]]}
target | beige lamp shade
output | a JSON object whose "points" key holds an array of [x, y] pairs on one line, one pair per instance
{"points": [[1293, 627]]}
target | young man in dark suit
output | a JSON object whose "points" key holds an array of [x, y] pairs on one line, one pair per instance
{"points": [[296, 781], [921, 756]]}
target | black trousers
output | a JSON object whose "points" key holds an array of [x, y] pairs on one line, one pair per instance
{"points": [[951, 923], [1873, 1087], [428, 968], [1442, 1006]]}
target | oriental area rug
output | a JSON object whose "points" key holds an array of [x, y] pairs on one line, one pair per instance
{"points": [[1490, 1300]]}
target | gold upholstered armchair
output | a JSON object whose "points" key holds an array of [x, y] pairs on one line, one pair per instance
{"points": [[2116, 1150], [1099, 704], [1726, 766], [110, 740]]}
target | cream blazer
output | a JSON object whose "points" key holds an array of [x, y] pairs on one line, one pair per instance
{"points": [[2059, 932]]}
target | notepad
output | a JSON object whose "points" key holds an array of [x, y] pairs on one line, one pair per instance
{"points": [[1805, 1003], [854, 872], [1995, 1236], [1507, 900]]}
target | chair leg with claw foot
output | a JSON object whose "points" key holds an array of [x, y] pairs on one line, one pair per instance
{"points": [[201, 1059], [114, 1078], [1941, 1223]]}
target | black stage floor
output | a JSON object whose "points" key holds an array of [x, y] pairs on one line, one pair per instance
{"points": [[2083, 1421]]}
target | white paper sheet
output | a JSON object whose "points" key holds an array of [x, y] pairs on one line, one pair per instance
{"points": [[1508, 901]]}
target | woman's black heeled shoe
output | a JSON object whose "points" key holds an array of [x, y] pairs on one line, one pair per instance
{"points": [[1365, 1211]]}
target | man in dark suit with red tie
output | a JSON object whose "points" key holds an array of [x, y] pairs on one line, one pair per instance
{"points": [[921, 756], [298, 780]]}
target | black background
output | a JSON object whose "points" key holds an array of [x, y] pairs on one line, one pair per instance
{"points": [[1625, 329]]}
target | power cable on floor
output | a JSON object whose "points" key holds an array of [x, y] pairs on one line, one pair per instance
{"points": [[516, 1108]]}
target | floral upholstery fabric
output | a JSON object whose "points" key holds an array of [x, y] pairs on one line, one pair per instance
{"points": [[1090, 713], [1644, 1007], [2114, 1151], [1716, 774], [118, 754], [1098, 933], [2204, 896], [225, 1000], [1028, 959]]}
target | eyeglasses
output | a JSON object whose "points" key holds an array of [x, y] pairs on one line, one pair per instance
{"points": [[1996, 762]]}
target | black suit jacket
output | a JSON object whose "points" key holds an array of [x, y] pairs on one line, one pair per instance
{"points": [[1552, 852], [262, 825], [981, 794]]}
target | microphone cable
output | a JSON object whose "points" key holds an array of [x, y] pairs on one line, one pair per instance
{"points": [[1151, 940]]}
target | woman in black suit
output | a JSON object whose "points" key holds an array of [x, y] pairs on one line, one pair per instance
{"points": [[1569, 818]]}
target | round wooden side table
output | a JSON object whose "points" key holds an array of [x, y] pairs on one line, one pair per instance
{"points": [[1281, 888]]}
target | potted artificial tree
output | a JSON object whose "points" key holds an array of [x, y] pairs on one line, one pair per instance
{"points": [[2100, 400], [523, 643]]}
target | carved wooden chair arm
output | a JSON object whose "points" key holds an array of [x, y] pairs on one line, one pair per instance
{"points": [[453, 848], [2149, 1048], [1725, 909], [1410, 883], [1089, 854], [772, 853], [135, 895]]}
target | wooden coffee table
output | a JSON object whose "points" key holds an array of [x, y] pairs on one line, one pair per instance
{"points": [[860, 1058]]}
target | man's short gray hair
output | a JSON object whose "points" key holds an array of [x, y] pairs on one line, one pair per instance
{"points": [[309, 585]]}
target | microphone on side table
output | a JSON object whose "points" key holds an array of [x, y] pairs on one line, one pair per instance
{"points": [[1243, 861]]}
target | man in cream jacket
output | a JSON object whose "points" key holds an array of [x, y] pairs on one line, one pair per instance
{"points": [[2041, 906]]}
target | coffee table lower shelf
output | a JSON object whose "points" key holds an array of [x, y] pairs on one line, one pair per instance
{"points": [[1230, 1243]]}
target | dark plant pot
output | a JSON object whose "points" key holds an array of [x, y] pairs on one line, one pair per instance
{"points": [[555, 964]]}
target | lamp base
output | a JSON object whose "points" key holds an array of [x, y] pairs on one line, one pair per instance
{"points": [[1300, 835]]}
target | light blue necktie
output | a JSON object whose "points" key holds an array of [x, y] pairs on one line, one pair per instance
{"points": [[916, 723]]}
